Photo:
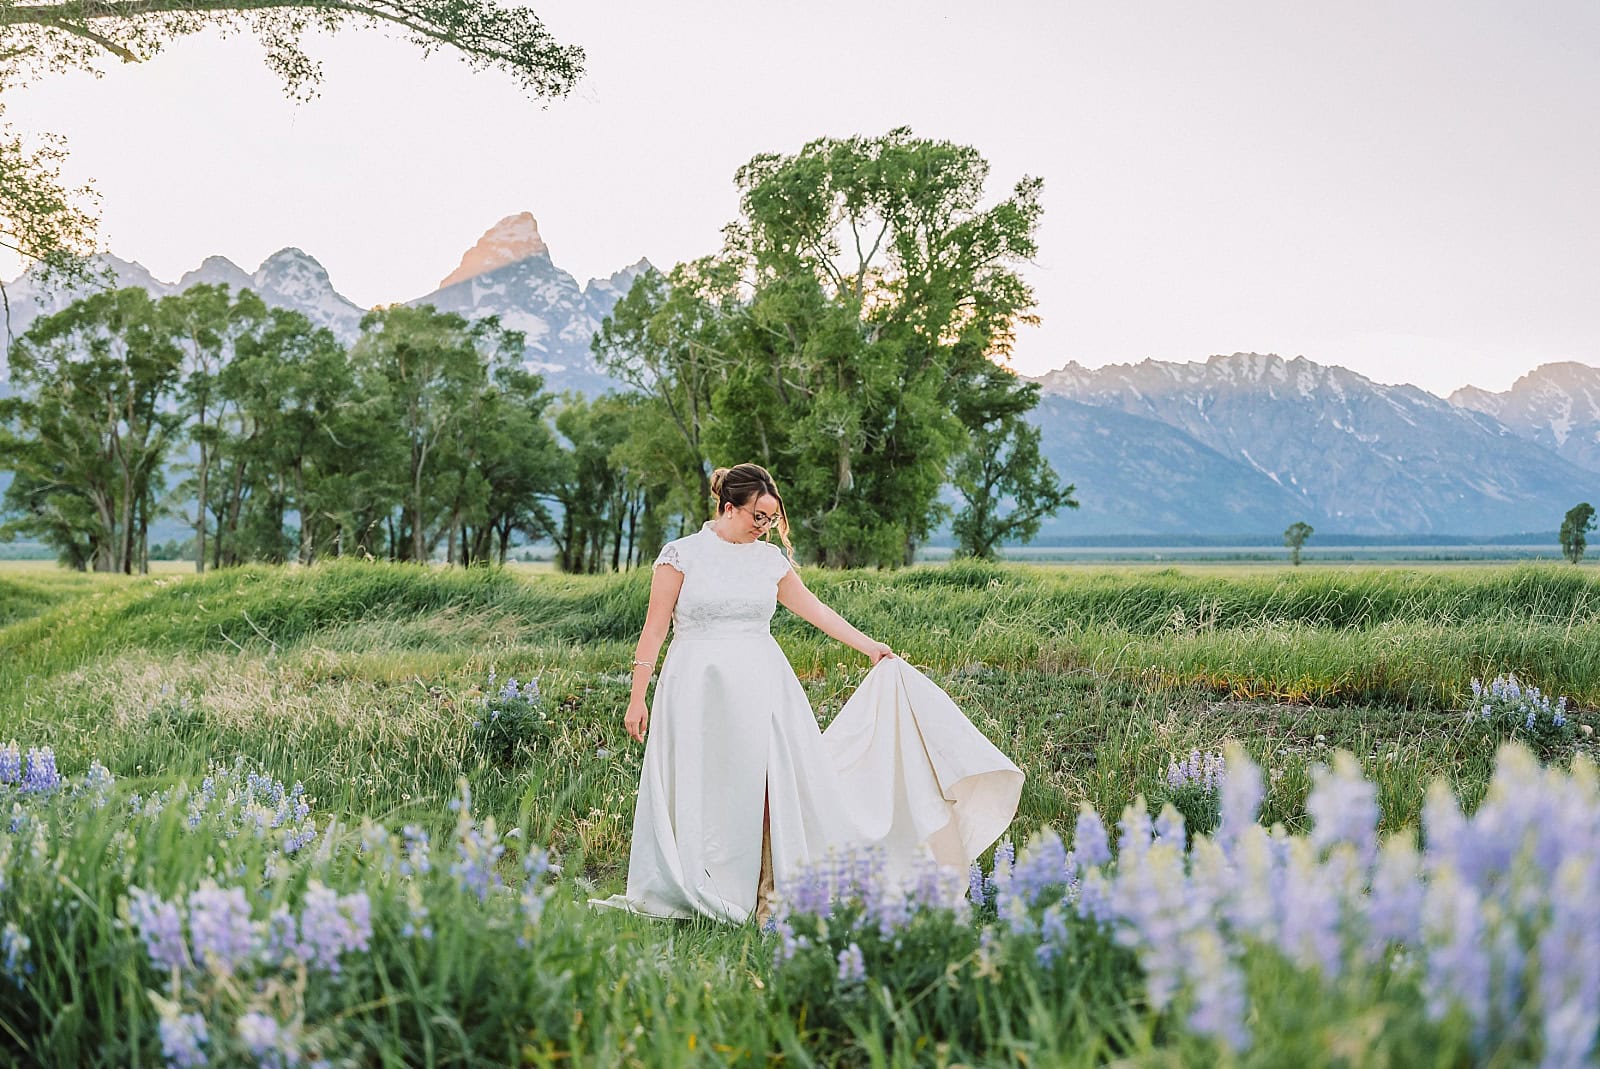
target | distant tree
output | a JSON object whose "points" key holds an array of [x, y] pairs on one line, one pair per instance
{"points": [[668, 338], [592, 492], [89, 427], [1295, 537], [1579, 521], [432, 370], [1003, 463], [208, 323]]}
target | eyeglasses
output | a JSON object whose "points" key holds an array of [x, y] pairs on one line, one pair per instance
{"points": [[761, 519]]}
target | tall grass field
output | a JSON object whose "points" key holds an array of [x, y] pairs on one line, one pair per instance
{"points": [[350, 815]]}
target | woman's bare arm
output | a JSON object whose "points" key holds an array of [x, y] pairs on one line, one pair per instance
{"points": [[664, 587], [798, 599]]}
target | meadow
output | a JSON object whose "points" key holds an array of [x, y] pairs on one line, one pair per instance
{"points": [[304, 815]]}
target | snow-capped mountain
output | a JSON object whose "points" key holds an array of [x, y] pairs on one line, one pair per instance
{"points": [[288, 278], [30, 298], [1556, 405], [508, 273], [1351, 454]]}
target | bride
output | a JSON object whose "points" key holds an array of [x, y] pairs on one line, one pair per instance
{"points": [[900, 769]]}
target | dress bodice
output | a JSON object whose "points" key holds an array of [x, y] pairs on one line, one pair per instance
{"points": [[730, 589]]}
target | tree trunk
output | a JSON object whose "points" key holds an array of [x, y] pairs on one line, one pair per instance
{"points": [[200, 514]]}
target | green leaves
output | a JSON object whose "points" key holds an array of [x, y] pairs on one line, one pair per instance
{"points": [[883, 296], [1578, 521], [88, 430]]}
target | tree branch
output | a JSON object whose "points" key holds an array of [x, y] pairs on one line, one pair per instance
{"points": [[104, 42]]}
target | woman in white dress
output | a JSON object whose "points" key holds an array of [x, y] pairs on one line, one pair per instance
{"points": [[733, 734]]}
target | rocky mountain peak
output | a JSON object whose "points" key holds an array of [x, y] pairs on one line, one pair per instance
{"points": [[216, 270], [290, 278], [514, 238]]}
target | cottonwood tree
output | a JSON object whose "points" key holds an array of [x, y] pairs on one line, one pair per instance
{"points": [[1574, 531], [1003, 464], [208, 323], [431, 370], [1295, 538], [89, 427], [669, 339], [594, 494], [881, 292]]}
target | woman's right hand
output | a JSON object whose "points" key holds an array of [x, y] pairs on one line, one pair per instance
{"points": [[637, 720]]}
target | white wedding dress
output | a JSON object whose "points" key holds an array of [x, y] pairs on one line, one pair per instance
{"points": [[900, 768]]}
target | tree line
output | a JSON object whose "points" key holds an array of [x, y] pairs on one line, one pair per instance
{"points": [[849, 336]]}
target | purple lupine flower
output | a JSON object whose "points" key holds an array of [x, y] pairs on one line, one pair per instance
{"points": [[1041, 869], [1241, 795], [281, 941], [272, 1046], [416, 925], [978, 887], [220, 928], [1090, 845], [40, 776], [1175, 774], [1449, 841], [160, 926], [478, 848], [1134, 833], [1569, 967], [1094, 898], [1343, 807], [1309, 910], [1252, 908], [10, 763], [298, 838], [933, 886], [1458, 970], [810, 892], [331, 924], [1169, 826], [1155, 910], [14, 947], [182, 1036], [1005, 856], [1220, 1002], [417, 860], [1393, 911], [1053, 935], [98, 783], [852, 965]]}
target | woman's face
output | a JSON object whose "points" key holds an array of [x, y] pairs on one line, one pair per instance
{"points": [[746, 522]]}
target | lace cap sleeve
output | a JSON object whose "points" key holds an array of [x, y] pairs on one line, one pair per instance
{"points": [[672, 554]]}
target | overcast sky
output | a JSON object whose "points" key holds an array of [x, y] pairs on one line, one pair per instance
{"points": [[1407, 189]]}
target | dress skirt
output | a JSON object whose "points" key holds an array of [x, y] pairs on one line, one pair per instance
{"points": [[731, 733]]}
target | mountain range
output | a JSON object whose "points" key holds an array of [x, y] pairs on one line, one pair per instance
{"points": [[1245, 443], [1253, 442], [508, 273]]}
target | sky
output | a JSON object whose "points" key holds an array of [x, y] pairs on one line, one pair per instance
{"points": [[1406, 189]]}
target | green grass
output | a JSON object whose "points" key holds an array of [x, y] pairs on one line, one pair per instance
{"points": [[358, 680]]}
